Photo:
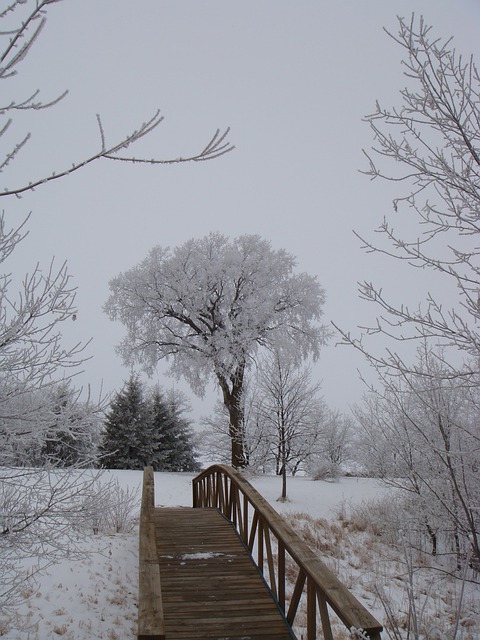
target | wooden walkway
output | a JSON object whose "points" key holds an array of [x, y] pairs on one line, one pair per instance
{"points": [[210, 585], [230, 568]]}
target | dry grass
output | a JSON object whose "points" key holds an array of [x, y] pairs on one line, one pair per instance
{"points": [[361, 547], [60, 630]]}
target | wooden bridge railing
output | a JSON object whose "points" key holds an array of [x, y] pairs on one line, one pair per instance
{"points": [[260, 527], [151, 624]]}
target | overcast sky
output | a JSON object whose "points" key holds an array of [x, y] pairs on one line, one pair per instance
{"points": [[292, 79]]}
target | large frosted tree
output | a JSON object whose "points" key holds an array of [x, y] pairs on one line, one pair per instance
{"points": [[208, 306]]}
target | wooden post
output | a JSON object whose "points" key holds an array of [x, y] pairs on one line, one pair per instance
{"points": [[311, 609]]}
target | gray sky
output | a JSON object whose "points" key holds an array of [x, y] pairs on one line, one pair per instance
{"points": [[292, 80]]}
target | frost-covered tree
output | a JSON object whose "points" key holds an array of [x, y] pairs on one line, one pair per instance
{"points": [[427, 408], [30, 321], [336, 437], [429, 149], [215, 441], [335, 440], [51, 426], [73, 431], [208, 306], [420, 433], [32, 358], [290, 411], [215, 438]]}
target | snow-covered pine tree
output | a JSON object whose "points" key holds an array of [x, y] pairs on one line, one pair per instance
{"points": [[147, 429], [127, 440], [162, 430], [172, 432]]}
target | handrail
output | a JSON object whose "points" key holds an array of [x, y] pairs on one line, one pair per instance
{"points": [[151, 624], [225, 489]]}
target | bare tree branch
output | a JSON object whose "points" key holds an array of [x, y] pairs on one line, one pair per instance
{"points": [[430, 144], [20, 40]]}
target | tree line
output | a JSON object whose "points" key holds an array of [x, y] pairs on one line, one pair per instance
{"points": [[140, 426]]}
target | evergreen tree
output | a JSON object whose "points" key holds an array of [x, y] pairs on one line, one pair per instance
{"points": [[151, 429], [162, 430], [127, 442], [172, 432]]}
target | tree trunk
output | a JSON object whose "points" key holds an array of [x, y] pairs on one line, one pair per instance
{"points": [[433, 538], [284, 463], [232, 399]]}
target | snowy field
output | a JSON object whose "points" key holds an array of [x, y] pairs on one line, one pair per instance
{"points": [[97, 596]]}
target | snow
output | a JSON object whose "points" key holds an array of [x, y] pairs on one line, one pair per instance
{"points": [[97, 597], [92, 598], [319, 499]]}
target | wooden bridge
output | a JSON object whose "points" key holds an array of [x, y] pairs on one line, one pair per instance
{"points": [[222, 569]]}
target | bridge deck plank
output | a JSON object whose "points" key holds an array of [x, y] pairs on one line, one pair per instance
{"points": [[211, 589]]}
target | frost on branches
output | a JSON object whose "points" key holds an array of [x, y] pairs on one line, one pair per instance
{"points": [[208, 306], [429, 149], [22, 23], [42, 422], [421, 423]]}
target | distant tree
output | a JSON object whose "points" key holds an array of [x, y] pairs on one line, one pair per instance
{"points": [[336, 437], [335, 446], [127, 441], [420, 433], [215, 441], [209, 305], [73, 432], [172, 432], [147, 428], [291, 412]]}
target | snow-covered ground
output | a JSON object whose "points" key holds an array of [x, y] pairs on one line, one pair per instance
{"points": [[97, 596]]}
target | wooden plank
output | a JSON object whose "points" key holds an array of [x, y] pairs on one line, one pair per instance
{"points": [[326, 627], [211, 587], [150, 609]]}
